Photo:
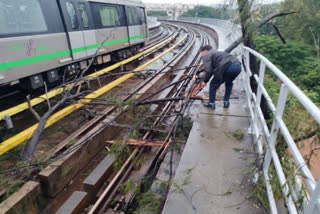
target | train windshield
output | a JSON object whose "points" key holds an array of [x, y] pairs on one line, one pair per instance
{"points": [[21, 16]]}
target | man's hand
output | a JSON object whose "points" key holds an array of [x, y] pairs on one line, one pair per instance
{"points": [[203, 84]]}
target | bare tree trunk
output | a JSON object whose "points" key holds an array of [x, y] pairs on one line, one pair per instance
{"points": [[247, 34], [32, 145], [247, 27], [263, 22], [316, 41]]}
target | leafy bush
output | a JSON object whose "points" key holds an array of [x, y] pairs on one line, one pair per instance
{"points": [[296, 59]]}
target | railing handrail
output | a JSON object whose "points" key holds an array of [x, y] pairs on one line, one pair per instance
{"points": [[304, 100], [260, 128]]}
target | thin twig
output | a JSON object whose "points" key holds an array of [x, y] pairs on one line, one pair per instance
{"points": [[47, 98], [32, 110]]}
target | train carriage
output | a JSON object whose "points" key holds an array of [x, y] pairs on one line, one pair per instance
{"points": [[43, 40]]}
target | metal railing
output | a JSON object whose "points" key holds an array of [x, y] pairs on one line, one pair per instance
{"points": [[266, 138]]}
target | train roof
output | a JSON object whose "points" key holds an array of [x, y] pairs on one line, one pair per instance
{"points": [[137, 3]]}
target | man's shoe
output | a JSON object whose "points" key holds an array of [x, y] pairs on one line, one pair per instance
{"points": [[209, 105], [226, 104]]}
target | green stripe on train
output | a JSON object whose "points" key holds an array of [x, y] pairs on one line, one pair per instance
{"points": [[31, 60]]}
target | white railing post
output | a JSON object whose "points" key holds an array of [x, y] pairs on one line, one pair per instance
{"points": [[257, 105], [271, 156], [315, 199], [259, 91], [247, 75], [275, 125], [271, 151]]}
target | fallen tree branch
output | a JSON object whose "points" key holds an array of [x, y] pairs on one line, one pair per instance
{"points": [[31, 146], [135, 142], [263, 22], [174, 99], [272, 16], [140, 127], [279, 34]]}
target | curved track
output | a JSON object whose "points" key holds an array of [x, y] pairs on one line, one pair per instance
{"points": [[171, 78]]}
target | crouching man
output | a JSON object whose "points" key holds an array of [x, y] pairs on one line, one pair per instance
{"points": [[225, 69]]}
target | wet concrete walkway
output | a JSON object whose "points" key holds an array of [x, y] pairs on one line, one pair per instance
{"points": [[211, 176]]}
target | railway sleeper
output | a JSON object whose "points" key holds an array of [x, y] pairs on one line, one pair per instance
{"points": [[99, 175], [75, 204]]}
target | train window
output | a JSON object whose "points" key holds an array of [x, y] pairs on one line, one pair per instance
{"points": [[21, 16], [84, 15], [133, 16], [140, 12], [72, 15], [109, 16]]}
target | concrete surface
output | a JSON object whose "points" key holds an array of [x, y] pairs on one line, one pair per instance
{"points": [[99, 175], [74, 204], [211, 174], [153, 22], [25, 200]]}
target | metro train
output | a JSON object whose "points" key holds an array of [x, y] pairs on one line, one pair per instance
{"points": [[45, 40]]}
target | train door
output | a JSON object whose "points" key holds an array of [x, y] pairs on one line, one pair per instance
{"points": [[88, 31], [135, 20], [78, 26]]}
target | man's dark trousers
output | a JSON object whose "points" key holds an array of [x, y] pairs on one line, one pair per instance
{"points": [[228, 76]]}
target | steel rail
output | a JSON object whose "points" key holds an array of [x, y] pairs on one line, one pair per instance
{"points": [[26, 134], [116, 177], [176, 90]]}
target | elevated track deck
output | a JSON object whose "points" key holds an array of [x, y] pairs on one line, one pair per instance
{"points": [[213, 163]]}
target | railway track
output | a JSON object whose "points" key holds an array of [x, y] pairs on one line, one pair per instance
{"points": [[156, 127], [118, 67]]}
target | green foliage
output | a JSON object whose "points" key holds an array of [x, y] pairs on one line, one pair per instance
{"points": [[297, 119], [296, 59], [121, 153], [71, 142], [185, 180], [128, 187], [237, 135], [285, 56], [208, 12], [118, 102], [309, 76], [10, 186], [273, 88], [139, 161], [304, 24], [156, 13], [184, 128], [259, 193], [149, 203]]}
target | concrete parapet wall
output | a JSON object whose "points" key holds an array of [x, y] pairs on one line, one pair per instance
{"points": [[24, 201]]}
